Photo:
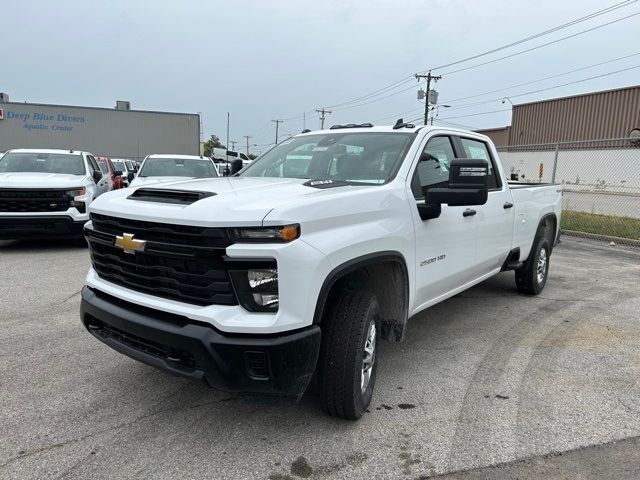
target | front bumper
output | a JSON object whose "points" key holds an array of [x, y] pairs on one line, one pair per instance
{"points": [[280, 364], [14, 227]]}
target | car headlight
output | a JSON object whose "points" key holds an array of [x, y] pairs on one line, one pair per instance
{"points": [[257, 289], [285, 233], [78, 204]]}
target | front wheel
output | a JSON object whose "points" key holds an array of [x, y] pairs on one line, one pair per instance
{"points": [[532, 276], [348, 355]]}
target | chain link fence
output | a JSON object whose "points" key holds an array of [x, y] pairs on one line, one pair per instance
{"points": [[600, 180]]}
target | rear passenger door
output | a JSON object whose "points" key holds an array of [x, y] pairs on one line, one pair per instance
{"points": [[495, 218]]}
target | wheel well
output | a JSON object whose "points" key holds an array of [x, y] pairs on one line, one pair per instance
{"points": [[547, 229], [385, 277]]}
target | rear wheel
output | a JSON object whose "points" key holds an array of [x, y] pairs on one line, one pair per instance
{"points": [[348, 356], [532, 276]]}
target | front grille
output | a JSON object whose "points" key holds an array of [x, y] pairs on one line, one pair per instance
{"points": [[28, 201], [176, 270], [163, 232], [181, 358]]}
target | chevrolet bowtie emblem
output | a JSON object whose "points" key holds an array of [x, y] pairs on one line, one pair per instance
{"points": [[129, 244]]}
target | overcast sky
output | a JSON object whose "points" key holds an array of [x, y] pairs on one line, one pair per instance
{"points": [[263, 60]]}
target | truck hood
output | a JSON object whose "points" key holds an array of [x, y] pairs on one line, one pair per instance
{"points": [[238, 201], [40, 180]]}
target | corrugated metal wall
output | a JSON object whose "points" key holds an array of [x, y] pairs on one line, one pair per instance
{"points": [[599, 115], [499, 136], [102, 131]]}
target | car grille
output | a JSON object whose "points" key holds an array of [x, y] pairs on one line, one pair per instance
{"points": [[26, 201], [174, 264]]}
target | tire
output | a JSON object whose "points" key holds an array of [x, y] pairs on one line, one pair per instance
{"points": [[532, 276], [351, 323]]}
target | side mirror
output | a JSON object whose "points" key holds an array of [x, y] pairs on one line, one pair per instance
{"points": [[97, 176], [131, 176], [236, 166], [468, 185], [117, 173]]}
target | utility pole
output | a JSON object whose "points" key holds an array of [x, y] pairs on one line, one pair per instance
{"points": [[304, 120], [323, 113], [277, 122], [227, 145], [247, 137], [428, 77], [233, 144]]}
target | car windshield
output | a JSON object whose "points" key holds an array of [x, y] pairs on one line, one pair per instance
{"points": [[102, 164], [118, 165], [178, 167], [361, 158], [68, 163]]}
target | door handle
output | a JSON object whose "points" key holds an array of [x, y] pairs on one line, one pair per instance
{"points": [[507, 205], [468, 213]]}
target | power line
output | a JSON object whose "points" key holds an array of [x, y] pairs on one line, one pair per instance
{"points": [[540, 34], [545, 78], [542, 45], [388, 90], [415, 110]]}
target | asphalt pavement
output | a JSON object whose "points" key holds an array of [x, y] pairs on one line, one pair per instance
{"points": [[488, 384]]}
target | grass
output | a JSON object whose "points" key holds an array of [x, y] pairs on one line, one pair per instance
{"points": [[624, 227]]}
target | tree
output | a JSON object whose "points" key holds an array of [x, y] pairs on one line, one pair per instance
{"points": [[209, 145]]}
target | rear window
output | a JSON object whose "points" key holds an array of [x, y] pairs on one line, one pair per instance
{"points": [[103, 165]]}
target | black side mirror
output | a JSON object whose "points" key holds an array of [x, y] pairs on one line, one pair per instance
{"points": [[236, 166], [131, 176], [468, 185], [97, 176]]}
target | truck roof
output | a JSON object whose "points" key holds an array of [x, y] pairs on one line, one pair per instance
{"points": [[47, 150], [390, 129]]}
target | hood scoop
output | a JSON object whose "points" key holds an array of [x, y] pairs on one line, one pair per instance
{"points": [[177, 197]]}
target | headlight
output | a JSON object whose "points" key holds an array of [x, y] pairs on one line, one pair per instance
{"points": [[285, 233], [257, 289], [78, 204]]}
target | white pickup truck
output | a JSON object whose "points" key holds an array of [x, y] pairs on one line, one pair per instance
{"points": [[299, 264], [45, 193]]}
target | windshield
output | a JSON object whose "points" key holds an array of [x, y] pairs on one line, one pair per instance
{"points": [[178, 167], [42, 162], [367, 158], [118, 165]]}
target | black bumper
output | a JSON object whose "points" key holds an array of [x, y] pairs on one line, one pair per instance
{"points": [[41, 226], [268, 364]]}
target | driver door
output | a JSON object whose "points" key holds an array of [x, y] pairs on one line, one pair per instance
{"points": [[445, 247]]}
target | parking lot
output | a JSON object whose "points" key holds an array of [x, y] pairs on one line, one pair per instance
{"points": [[487, 377]]}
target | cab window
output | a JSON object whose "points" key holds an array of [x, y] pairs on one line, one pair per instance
{"points": [[433, 166], [478, 149]]}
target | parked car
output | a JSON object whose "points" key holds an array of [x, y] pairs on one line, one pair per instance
{"points": [[302, 263], [121, 166], [159, 168], [110, 172], [223, 158], [46, 193]]}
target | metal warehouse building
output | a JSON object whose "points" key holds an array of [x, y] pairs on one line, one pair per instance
{"points": [[592, 116], [115, 132]]}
